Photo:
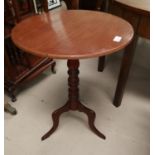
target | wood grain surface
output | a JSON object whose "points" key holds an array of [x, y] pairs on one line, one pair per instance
{"points": [[72, 34]]}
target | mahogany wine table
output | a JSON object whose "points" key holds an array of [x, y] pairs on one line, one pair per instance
{"points": [[72, 35]]}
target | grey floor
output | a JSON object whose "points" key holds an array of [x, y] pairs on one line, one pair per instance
{"points": [[126, 127]]}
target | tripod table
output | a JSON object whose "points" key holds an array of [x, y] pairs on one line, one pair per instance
{"points": [[72, 35]]}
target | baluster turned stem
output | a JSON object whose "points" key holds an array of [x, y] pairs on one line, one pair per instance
{"points": [[73, 82]]}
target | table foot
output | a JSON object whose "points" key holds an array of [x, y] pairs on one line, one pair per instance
{"points": [[91, 119], [55, 116]]}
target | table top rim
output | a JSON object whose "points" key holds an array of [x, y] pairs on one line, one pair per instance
{"points": [[78, 56]]}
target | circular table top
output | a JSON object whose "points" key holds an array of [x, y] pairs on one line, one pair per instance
{"points": [[73, 34], [138, 4]]}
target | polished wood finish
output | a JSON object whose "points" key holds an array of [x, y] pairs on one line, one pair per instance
{"points": [[76, 34], [73, 102], [72, 35], [138, 15], [72, 4], [103, 5], [19, 66]]}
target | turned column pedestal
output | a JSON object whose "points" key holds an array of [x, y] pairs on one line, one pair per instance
{"points": [[72, 35], [73, 102]]}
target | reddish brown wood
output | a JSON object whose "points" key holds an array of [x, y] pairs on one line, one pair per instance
{"points": [[73, 82], [72, 4], [72, 35], [16, 10], [18, 70], [103, 5], [19, 66], [73, 102], [55, 116], [45, 5], [76, 34]]}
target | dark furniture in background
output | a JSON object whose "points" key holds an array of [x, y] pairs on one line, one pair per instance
{"points": [[137, 13], [19, 66], [87, 4]]}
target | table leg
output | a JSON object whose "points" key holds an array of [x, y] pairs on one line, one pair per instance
{"points": [[73, 102], [91, 119], [101, 63], [124, 71], [55, 117]]}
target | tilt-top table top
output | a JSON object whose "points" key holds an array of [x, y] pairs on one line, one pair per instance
{"points": [[73, 34]]}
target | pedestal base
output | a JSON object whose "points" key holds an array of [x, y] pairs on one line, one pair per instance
{"points": [[81, 108], [73, 102]]}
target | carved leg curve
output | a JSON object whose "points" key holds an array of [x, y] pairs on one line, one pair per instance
{"points": [[91, 119], [73, 101], [55, 116]]}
